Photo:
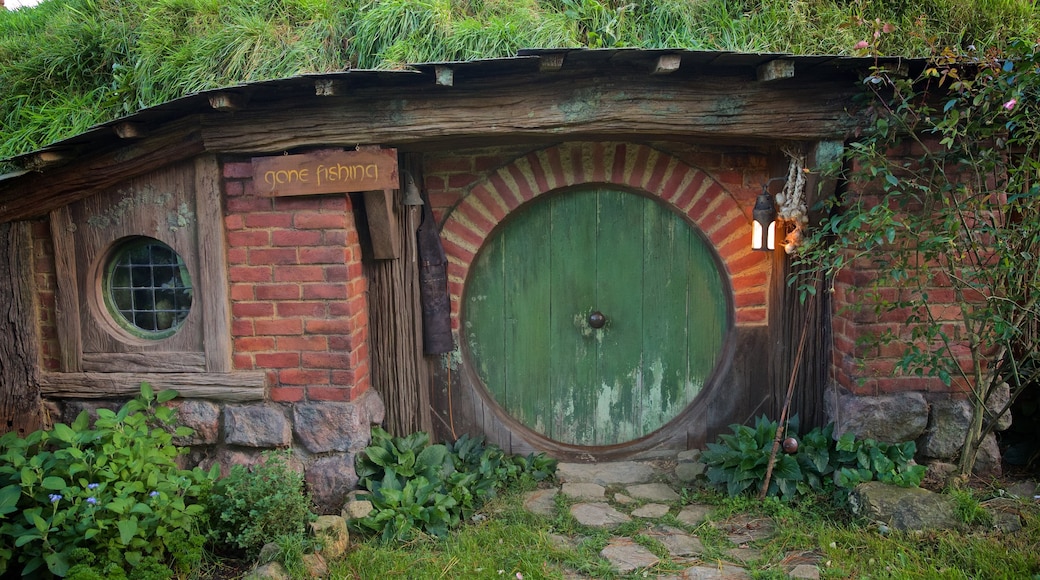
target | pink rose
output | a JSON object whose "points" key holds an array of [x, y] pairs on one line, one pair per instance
{"points": [[1010, 104]]}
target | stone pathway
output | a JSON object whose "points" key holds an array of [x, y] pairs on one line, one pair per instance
{"points": [[606, 495]]}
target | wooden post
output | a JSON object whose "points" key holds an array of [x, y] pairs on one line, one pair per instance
{"points": [[20, 406]]}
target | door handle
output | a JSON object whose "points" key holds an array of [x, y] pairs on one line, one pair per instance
{"points": [[596, 319]]}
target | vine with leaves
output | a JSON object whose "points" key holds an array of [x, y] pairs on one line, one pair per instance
{"points": [[944, 207]]}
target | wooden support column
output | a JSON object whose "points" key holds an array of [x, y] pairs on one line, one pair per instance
{"points": [[20, 407]]}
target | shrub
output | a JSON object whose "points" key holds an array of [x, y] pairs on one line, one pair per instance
{"points": [[738, 462], [249, 508], [419, 487], [109, 497]]}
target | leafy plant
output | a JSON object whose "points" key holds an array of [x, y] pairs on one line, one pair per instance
{"points": [[738, 462], [250, 507], [415, 486], [112, 491], [942, 213]]}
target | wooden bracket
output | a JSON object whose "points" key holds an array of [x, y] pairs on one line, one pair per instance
{"points": [[445, 75], [667, 64], [227, 101], [382, 227], [129, 130], [551, 62], [775, 70]]}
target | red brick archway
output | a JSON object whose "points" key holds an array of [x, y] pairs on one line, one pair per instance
{"points": [[688, 189]]}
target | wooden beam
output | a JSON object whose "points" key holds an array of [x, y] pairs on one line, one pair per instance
{"points": [[550, 107], [28, 198], [129, 130], [445, 75], [227, 101], [667, 64], [216, 300], [20, 405], [775, 70], [67, 315], [231, 387]]}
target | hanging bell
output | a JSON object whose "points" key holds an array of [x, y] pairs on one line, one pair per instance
{"points": [[411, 191]]}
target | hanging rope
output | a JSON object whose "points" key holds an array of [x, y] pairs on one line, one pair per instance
{"points": [[791, 200]]}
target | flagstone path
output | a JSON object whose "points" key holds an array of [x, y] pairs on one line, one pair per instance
{"points": [[606, 495]]}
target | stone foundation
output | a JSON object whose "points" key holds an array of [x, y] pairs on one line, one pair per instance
{"points": [[324, 437], [935, 421]]}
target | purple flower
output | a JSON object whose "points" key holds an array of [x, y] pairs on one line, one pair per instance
{"points": [[93, 485], [154, 494], [92, 500], [1010, 104], [55, 497]]}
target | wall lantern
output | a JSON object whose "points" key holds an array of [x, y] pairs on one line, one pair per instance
{"points": [[763, 233]]}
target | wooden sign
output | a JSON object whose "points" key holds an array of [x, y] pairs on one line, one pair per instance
{"points": [[330, 171]]}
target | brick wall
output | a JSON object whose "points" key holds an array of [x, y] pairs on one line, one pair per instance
{"points": [[299, 299], [471, 192], [868, 369]]}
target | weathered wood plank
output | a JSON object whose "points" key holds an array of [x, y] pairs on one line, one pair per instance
{"points": [[383, 230], [549, 107], [139, 362], [215, 300], [67, 315], [19, 375], [32, 198], [232, 387]]}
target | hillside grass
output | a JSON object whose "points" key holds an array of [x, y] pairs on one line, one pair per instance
{"points": [[69, 64]]}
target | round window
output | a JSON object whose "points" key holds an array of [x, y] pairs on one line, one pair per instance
{"points": [[147, 288]]}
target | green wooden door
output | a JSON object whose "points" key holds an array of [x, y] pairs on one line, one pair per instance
{"points": [[538, 279]]}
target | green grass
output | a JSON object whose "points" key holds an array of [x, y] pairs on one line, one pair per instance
{"points": [[511, 540], [68, 64]]}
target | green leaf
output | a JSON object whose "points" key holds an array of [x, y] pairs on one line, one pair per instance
{"points": [[127, 530], [57, 563], [53, 483], [9, 498]]}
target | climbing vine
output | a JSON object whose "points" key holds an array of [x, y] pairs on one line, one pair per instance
{"points": [[942, 207]]}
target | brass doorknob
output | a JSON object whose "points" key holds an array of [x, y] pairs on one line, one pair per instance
{"points": [[597, 320]]}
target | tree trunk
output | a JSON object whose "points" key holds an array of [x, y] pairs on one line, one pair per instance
{"points": [[20, 408]]}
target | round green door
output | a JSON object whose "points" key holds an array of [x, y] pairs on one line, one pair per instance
{"points": [[595, 317]]}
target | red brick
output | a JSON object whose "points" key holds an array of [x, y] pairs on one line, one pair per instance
{"points": [[295, 238], [252, 309], [238, 256], [322, 360], [341, 309], [247, 204], [342, 273], [303, 377], [347, 378], [318, 221], [497, 187], [322, 255], [249, 238], [242, 328], [249, 274], [280, 327], [254, 344], [299, 274], [329, 394], [323, 291], [303, 343], [238, 169], [233, 188], [334, 238], [277, 291], [321, 326], [242, 362], [461, 180], [277, 360], [279, 256], [287, 394], [234, 222], [449, 164], [301, 309], [268, 220]]}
